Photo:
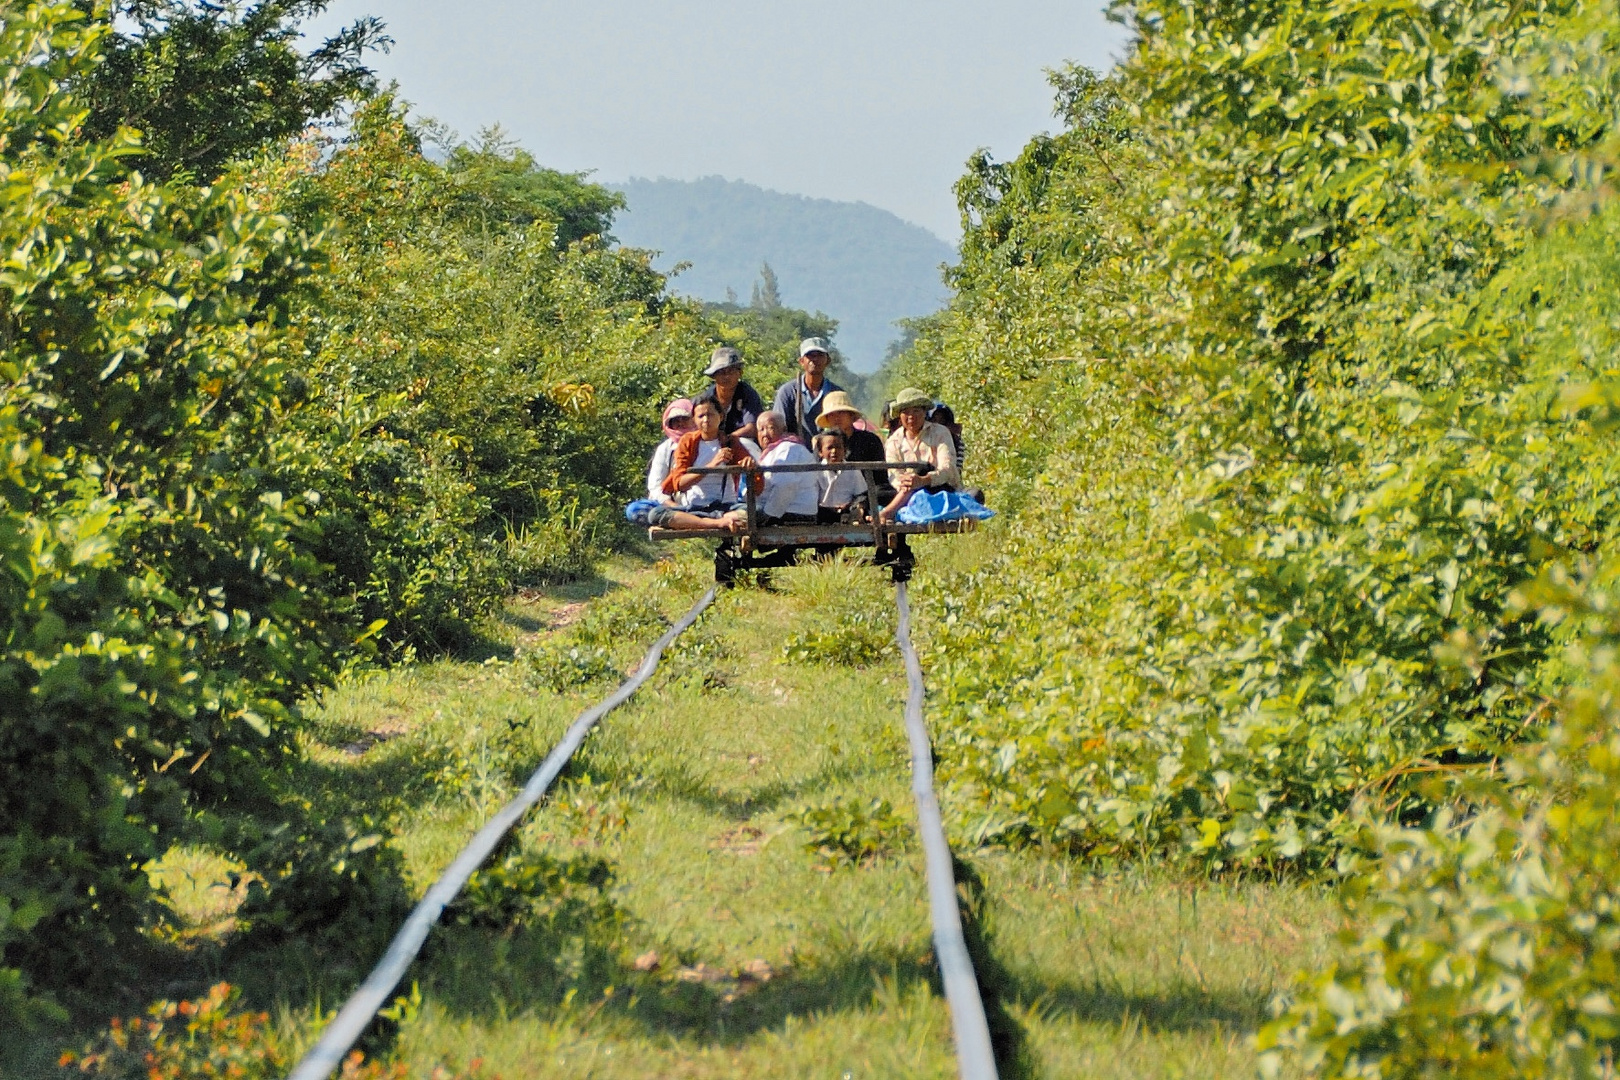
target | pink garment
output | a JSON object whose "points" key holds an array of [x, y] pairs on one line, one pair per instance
{"points": [[678, 403], [863, 424], [783, 439]]}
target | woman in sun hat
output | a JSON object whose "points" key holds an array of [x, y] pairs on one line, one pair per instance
{"points": [[677, 422], [838, 413], [917, 439]]}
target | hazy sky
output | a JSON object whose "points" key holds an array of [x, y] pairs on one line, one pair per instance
{"points": [[872, 100]]}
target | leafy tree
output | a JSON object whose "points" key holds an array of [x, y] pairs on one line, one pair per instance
{"points": [[159, 598], [503, 182], [1270, 354], [766, 297], [486, 399], [208, 84], [768, 333]]}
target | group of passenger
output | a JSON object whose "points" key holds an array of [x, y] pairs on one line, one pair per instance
{"points": [[811, 419]]}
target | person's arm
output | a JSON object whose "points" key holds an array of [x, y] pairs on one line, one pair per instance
{"points": [[659, 469], [741, 455], [787, 397], [679, 462], [943, 455], [891, 452]]}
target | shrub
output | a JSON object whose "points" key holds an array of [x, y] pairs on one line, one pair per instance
{"points": [[852, 833], [484, 397], [1296, 430], [210, 1037], [846, 614], [533, 890], [1487, 941], [160, 620]]}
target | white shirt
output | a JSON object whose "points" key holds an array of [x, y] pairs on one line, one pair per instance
{"points": [[794, 492], [842, 488], [658, 471], [710, 488]]}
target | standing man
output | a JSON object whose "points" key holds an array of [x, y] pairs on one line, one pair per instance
{"points": [[738, 402], [801, 399]]}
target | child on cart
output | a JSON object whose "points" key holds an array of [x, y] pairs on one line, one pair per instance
{"points": [[843, 493]]}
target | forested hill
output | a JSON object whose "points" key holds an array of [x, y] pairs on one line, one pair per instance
{"points": [[863, 266]]}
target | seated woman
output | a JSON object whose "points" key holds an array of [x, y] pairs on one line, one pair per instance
{"points": [[677, 422], [838, 413], [701, 501], [918, 440], [843, 494], [789, 498]]}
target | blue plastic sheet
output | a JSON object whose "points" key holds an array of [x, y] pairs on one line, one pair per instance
{"points": [[926, 507]]}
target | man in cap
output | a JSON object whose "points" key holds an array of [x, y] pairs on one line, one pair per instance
{"points": [[801, 400], [739, 403]]}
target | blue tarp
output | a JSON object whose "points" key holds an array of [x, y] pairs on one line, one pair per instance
{"points": [[930, 506]]}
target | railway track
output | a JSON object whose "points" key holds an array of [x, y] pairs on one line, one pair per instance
{"points": [[975, 1058]]}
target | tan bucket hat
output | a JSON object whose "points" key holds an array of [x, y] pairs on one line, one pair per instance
{"points": [[910, 398], [836, 402]]}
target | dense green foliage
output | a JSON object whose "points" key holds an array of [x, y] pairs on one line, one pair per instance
{"points": [[1301, 432], [1299, 340], [1486, 943], [340, 397], [159, 613], [482, 391]]}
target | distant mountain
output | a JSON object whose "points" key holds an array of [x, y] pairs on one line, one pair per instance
{"points": [[863, 266]]}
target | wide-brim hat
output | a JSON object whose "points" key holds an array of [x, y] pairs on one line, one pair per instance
{"points": [[835, 402], [723, 359], [911, 398]]}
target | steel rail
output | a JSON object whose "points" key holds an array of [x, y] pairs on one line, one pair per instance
{"points": [[974, 1058], [327, 1054]]}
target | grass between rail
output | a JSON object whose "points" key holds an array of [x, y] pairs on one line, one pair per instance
{"points": [[725, 882]]}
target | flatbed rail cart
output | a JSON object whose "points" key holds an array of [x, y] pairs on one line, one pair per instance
{"points": [[756, 546]]}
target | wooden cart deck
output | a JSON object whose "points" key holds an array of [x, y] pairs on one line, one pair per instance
{"points": [[780, 535], [763, 546]]}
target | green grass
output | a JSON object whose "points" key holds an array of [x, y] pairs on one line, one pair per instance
{"points": [[677, 919]]}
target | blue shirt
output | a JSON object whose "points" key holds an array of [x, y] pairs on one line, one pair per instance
{"points": [[744, 410], [795, 401]]}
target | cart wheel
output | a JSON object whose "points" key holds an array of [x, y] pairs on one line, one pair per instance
{"points": [[899, 559], [725, 565]]}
